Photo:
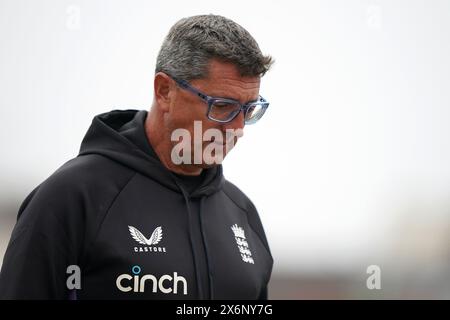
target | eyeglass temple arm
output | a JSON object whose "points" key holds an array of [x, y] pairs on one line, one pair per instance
{"points": [[186, 86]]}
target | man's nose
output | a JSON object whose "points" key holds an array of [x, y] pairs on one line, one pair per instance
{"points": [[237, 123]]}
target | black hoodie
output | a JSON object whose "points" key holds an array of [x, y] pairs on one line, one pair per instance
{"points": [[135, 230]]}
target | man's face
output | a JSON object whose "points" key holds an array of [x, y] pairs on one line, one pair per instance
{"points": [[223, 81]]}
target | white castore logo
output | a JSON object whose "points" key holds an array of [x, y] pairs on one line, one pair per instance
{"points": [[149, 244], [139, 237], [244, 250]]}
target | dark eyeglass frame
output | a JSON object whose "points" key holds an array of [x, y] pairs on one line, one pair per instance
{"points": [[211, 100]]}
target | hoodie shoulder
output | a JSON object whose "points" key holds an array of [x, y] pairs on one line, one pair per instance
{"points": [[88, 173], [91, 169], [237, 196], [83, 180]]}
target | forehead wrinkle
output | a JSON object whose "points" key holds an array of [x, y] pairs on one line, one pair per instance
{"points": [[242, 84], [232, 89]]}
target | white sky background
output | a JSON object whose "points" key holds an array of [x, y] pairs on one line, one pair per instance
{"points": [[354, 145]]}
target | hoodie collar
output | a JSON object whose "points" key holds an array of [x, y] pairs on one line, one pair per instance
{"points": [[120, 136]]}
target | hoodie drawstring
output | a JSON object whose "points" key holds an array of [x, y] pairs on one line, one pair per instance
{"points": [[211, 295], [194, 254]]}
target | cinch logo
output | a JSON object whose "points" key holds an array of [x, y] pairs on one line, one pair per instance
{"points": [[154, 239], [165, 284]]}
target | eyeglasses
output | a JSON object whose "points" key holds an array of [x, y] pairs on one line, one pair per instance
{"points": [[225, 110]]}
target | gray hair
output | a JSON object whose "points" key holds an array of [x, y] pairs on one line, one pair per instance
{"points": [[193, 41]]}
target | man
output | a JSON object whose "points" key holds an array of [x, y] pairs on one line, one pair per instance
{"points": [[144, 212]]}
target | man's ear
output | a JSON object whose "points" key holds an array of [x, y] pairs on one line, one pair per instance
{"points": [[163, 86]]}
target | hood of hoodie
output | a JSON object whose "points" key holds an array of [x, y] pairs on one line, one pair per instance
{"points": [[105, 138]]}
